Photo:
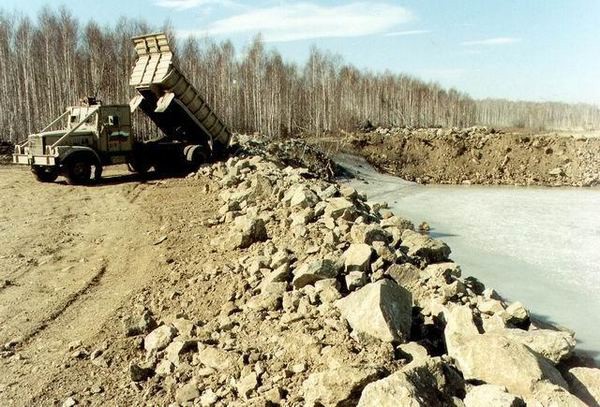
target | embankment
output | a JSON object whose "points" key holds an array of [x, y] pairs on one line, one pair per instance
{"points": [[477, 155]]}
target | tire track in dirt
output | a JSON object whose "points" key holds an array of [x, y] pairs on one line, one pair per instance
{"points": [[57, 312]]}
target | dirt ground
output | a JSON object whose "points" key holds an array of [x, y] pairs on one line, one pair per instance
{"points": [[73, 262]]}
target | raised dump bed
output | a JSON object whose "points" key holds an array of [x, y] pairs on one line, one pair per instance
{"points": [[170, 100]]}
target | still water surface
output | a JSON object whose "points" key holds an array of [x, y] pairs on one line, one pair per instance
{"points": [[540, 246]]}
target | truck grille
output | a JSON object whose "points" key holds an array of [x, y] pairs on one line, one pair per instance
{"points": [[36, 145]]}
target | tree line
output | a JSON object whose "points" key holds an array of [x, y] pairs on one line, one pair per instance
{"points": [[50, 62]]}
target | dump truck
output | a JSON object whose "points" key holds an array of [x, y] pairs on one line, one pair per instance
{"points": [[93, 135]]}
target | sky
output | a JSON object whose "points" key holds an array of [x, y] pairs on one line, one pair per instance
{"points": [[539, 50]]}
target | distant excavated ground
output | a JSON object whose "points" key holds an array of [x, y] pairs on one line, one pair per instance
{"points": [[477, 155]]}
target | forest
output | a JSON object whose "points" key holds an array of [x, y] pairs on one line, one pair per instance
{"points": [[50, 62]]}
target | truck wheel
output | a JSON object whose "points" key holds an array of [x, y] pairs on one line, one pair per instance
{"points": [[195, 156], [45, 173], [79, 171], [139, 166]]}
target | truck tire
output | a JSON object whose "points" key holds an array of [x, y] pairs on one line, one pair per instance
{"points": [[78, 171], [195, 156], [45, 173]]}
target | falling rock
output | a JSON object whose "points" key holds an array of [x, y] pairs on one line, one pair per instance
{"points": [[382, 310], [247, 231], [337, 387], [584, 382], [419, 245], [358, 257], [491, 395], [187, 392], [159, 338], [309, 273], [553, 345]]}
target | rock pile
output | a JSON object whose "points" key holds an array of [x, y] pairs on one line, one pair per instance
{"points": [[337, 301]]}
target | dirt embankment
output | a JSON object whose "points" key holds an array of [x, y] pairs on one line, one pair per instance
{"points": [[252, 283], [478, 156]]}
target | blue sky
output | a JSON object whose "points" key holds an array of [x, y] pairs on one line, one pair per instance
{"points": [[518, 49]]}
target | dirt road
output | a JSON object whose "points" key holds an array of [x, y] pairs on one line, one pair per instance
{"points": [[72, 260]]}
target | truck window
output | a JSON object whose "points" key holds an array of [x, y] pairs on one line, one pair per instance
{"points": [[113, 120]]}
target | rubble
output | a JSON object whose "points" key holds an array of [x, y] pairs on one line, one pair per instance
{"points": [[324, 298]]}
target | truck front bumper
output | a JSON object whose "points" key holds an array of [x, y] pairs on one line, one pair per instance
{"points": [[27, 159]]}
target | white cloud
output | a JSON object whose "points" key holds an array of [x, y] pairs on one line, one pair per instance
{"points": [[189, 4], [306, 21], [493, 41], [403, 33]]}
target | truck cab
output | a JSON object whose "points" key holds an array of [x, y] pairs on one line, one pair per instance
{"points": [[92, 136]]}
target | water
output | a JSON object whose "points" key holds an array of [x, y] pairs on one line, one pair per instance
{"points": [[540, 246]]}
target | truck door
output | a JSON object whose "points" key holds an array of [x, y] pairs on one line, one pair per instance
{"points": [[117, 129]]}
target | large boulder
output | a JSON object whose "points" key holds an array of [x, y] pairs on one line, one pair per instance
{"points": [[584, 382], [309, 273], [553, 345], [358, 257], [416, 244], [246, 231], [337, 387], [368, 234], [496, 359], [421, 384], [382, 310], [491, 395], [546, 394]]}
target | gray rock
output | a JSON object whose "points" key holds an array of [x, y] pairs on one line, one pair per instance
{"points": [[358, 257], [208, 398], [546, 394], [369, 234], [139, 373], [304, 197], [309, 273], [337, 387], [584, 382], [247, 231], [491, 395], [336, 207], [187, 392], [495, 359], [517, 314], [159, 338], [382, 310], [432, 250], [140, 325], [553, 345], [217, 359], [355, 279], [397, 222], [416, 385], [247, 384]]}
